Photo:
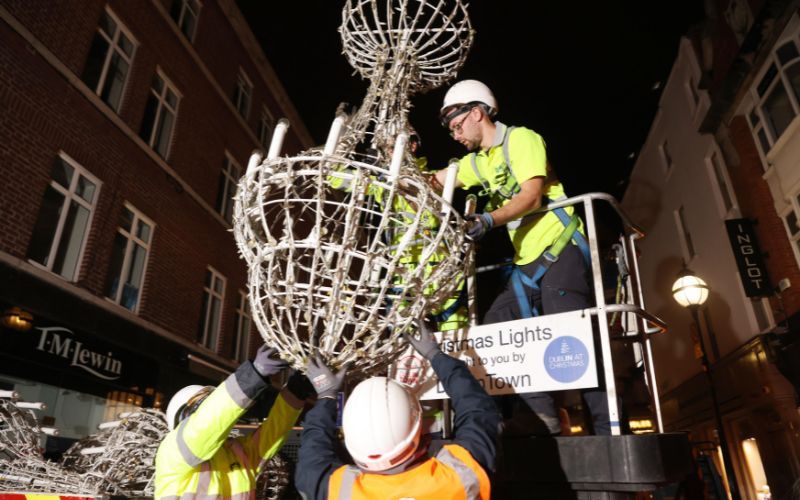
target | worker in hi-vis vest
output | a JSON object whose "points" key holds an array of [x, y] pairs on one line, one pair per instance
{"points": [[452, 314], [381, 421], [550, 272], [198, 458]]}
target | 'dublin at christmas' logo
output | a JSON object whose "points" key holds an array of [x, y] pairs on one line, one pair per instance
{"points": [[566, 359]]}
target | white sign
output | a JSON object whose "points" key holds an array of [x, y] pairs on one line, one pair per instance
{"points": [[545, 353]]}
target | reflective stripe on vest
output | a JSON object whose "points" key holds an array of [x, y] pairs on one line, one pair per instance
{"points": [[468, 478], [188, 456], [470, 481], [348, 479]]}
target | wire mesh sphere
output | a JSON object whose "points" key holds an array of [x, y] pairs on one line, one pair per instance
{"points": [[342, 256], [433, 35], [19, 431]]}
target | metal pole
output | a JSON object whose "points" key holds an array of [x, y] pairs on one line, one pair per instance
{"points": [[723, 440], [469, 209], [602, 320], [650, 370]]}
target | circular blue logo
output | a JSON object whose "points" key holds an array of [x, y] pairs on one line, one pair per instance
{"points": [[566, 359]]}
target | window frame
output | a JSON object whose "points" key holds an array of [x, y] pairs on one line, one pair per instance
{"points": [[266, 127], [243, 313], [181, 17], [131, 239], [667, 160], [688, 244], [212, 341], [244, 88], [161, 98], [69, 195], [757, 108], [714, 178], [225, 204], [793, 208], [113, 46]]}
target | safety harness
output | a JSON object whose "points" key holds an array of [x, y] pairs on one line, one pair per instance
{"points": [[507, 189]]}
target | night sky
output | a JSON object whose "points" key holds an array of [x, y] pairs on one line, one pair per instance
{"points": [[582, 74]]}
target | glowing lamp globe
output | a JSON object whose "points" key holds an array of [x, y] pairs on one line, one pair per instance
{"points": [[690, 291]]}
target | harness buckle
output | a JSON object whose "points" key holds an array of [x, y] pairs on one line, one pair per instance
{"points": [[550, 257]]}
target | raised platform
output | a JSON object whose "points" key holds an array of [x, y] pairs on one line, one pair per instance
{"points": [[590, 467]]}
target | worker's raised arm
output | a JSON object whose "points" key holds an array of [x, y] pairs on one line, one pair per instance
{"points": [[317, 458], [476, 416]]}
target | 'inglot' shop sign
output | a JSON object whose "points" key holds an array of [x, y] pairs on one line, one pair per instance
{"points": [[546, 353]]}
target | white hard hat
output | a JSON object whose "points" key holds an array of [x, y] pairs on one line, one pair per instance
{"points": [[381, 422], [187, 398], [464, 93]]}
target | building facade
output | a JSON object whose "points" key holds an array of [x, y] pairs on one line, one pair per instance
{"points": [[716, 187], [124, 129]]}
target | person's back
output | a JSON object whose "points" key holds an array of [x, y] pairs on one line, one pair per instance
{"points": [[382, 424]]}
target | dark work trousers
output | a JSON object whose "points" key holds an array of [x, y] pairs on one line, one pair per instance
{"points": [[564, 287]]}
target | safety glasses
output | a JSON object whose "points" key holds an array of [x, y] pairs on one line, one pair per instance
{"points": [[456, 129]]}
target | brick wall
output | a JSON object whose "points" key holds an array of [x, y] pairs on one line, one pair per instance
{"points": [[756, 203], [44, 113]]}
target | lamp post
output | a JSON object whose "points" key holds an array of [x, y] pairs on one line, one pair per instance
{"points": [[692, 292]]}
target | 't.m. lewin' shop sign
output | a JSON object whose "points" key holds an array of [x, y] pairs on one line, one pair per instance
{"points": [[62, 344], [73, 353]]}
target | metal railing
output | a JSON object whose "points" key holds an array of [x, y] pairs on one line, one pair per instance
{"points": [[643, 324]]}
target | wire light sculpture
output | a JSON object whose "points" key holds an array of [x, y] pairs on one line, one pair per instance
{"points": [[347, 244], [274, 479], [120, 459], [22, 465]]}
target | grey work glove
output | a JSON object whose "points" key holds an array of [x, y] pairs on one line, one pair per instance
{"points": [[265, 365], [479, 225], [325, 382], [425, 345]]}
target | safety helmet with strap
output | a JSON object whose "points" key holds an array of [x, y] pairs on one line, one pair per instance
{"points": [[185, 402], [465, 95], [382, 424]]}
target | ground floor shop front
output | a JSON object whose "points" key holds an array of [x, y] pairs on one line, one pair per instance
{"points": [[759, 412], [87, 362]]}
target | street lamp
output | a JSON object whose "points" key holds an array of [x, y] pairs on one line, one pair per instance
{"points": [[692, 292]]}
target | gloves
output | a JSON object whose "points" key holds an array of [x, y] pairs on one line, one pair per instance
{"points": [[425, 345], [299, 386], [267, 366], [325, 382], [479, 225]]}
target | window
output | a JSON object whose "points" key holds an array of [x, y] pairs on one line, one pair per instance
{"points": [[265, 127], [129, 258], [185, 14], [228, 178], [776, 95], [685, 235], [691, 89], [243, 94], [243, 322], [159, 115], [666, 156], [64, 219], [792, 223], [210, 319], [109, 60], [719, 177]]}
